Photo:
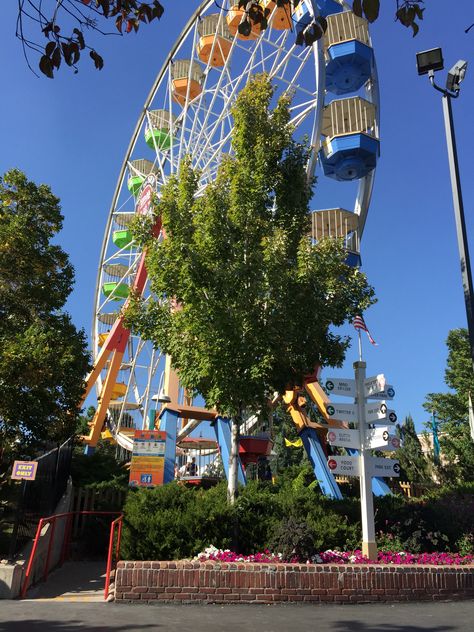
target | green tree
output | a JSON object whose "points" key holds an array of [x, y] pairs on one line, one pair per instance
{"points": [[245, 302], [284, 428], [43, 357], [457, 448], [413, 462]]}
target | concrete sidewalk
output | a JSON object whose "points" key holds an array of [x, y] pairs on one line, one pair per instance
{"points": [[74, 581]]}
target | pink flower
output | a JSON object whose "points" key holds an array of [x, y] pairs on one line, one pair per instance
{"points": [[339, 557]]}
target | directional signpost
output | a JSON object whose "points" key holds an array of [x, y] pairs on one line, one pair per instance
{"points": [[380, 438], [377, 412], [340, 386], [344, 465], [344, 438], [380, 466], [374, 385], [346, 412], [388, 393], [362, 414]]}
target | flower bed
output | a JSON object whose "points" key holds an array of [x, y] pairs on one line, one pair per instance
{"points": [[339, 557]]}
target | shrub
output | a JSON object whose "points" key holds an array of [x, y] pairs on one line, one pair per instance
{"points": [[100, 467], [293, 539], [258, 510], [174, 521]]}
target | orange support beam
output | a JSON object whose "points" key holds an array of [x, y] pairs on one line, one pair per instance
{"points": [[104, 400], [115, 343]]}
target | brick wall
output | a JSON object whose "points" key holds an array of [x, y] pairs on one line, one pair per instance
{"points": [[214, 582]]}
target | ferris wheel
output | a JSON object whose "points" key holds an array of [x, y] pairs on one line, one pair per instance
{"points": [[335, 104]]}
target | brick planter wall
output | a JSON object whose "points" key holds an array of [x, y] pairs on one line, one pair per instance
{"points": [[214, 582]]}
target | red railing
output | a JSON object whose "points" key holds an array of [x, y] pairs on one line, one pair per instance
{"points": [[52, 520], [110, 557]]}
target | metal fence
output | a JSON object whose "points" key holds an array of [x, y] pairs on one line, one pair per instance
{"points": [[39, 498]]}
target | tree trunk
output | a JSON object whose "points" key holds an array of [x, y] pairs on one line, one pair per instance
{"points": [[232, 483]]}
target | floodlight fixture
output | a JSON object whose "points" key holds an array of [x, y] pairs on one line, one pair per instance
{"points": [[456, 75], [429, 61], [162, 397]]}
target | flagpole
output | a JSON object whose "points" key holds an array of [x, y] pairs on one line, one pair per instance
{"points": [[360, 345]]}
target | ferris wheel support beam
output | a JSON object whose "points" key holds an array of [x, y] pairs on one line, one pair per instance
{"points": [[115, 343], [104, 400]]}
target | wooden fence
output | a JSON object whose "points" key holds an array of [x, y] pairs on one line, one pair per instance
{"points": [[85, 499], [410, 490]]}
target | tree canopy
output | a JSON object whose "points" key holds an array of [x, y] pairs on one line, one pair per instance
{"points": [[451, 409], [414, 465], [56, 30], [43, 357], [244, 301]]}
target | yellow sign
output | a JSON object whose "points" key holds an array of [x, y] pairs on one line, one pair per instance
{"points": [[24, 470]]}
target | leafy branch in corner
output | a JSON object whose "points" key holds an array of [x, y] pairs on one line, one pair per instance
{"points": [[65, 24]]}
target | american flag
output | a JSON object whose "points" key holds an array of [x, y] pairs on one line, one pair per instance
{"points": [[359, 324]]}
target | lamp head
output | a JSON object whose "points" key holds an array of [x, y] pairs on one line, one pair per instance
{"points": [[456, 75], [429, 60], [162, 397]]}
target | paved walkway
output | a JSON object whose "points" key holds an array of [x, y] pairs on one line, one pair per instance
{"points": [[57, 616], [74, 581]]}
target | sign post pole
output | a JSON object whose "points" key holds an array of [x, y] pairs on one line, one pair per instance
{"points": [[369, 546]]}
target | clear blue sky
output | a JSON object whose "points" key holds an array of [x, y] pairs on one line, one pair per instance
{"points": [[72, 133]]}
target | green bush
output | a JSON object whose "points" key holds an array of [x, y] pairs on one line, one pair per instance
{"points": [[427, 524], [100, 467], [174, 521], [292, 538], [258, 511]]}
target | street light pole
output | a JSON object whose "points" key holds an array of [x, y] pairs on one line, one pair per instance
{"points": [[428, 62], [459, 217]]}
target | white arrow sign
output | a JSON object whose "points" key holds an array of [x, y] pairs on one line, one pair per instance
{"points": [[374, 385], [344, 438], [379, 466], [344, 465], [344, 412], [387, 393], [379, 413], [381, 438], [340, 386]]}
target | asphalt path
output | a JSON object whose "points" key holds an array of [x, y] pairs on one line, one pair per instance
{"points": [[56, 616]]}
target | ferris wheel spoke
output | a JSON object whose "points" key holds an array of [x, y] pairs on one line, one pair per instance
{"points": [[250, 68]]}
